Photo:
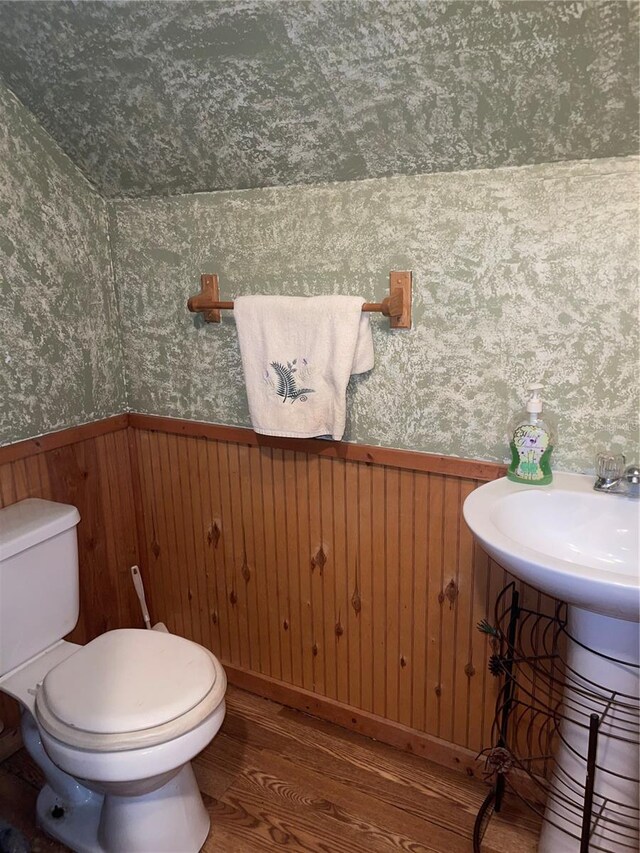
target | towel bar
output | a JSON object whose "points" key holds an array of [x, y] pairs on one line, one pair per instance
{"points": [[396, 306]]}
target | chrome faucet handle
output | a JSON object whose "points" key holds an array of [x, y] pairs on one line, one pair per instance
{"points": [[632, 475], [632, 478], [610, 466]]}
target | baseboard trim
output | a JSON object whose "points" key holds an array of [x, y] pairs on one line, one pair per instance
{"points": [[363, 722]]}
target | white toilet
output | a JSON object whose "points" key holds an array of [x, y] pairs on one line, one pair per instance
{"points": [[113, 724]]}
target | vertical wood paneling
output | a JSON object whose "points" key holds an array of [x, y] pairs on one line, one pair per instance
{"points": [[498, 578], [153, 527], [218, 534], [478, 652], [465, 625], [282, 600], [435, 524], [205, 449], [166, 532], [353, 580], [271, 564], [248, 566], [235, 522], [170, 471], [317, 542], [204, 541], [391, 627], [341, 581], [43, 474], [197, 530], [353, 602], [419, 634], [95, 476], [379, 592], [303, 569], [408, 603], [7, 488], [75, 479], [257, 511], [104, 492], [451, 529], [329, 610], [365, 579], [293, 630], [116, 489]]}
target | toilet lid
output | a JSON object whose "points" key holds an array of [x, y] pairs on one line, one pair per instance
{"points": [[128, 680]]}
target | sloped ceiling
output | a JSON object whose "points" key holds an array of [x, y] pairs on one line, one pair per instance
{"points": [[156, 98]]}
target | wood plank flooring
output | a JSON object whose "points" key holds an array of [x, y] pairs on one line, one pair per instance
{"points": [[276, 779]]}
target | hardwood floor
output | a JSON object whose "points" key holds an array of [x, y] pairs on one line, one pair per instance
{"points": [[276, 779]]}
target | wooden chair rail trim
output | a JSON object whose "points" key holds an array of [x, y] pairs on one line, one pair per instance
{"points": [[388, 456], [62, 438]]}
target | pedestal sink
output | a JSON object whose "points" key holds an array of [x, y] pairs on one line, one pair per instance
{"points": [[581, 547]]}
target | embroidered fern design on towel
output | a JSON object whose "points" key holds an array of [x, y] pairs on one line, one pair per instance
{"points": [[286, 387]]}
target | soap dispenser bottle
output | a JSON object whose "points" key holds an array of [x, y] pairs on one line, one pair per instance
{"points": [[532, 440]]}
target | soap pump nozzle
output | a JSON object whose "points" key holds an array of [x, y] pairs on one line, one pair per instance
{"points": [[534, 403]]}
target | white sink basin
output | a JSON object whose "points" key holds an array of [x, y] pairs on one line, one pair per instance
{"points": [[565, 539], [582, 547]]}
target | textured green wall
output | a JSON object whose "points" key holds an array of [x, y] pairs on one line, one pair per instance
{"points": [[520, 274], [162, 97], [60, 353]]}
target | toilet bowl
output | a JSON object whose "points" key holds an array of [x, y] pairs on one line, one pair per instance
{"points": [[113, 724]]}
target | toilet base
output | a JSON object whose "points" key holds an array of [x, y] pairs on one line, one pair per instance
{"points": [[76, 827], [171, 819]]}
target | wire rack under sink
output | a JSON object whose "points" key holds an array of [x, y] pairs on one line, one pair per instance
{"points": [[529, 656]]}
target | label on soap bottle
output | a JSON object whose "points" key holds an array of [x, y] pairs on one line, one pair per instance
{"points": [[530, 452]]}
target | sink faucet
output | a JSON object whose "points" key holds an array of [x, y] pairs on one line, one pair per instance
{"points": [[612, 475]]}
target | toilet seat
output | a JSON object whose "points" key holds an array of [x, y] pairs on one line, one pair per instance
{"points": [[129, 688]]}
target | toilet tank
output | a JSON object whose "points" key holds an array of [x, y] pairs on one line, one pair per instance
{"points": [[39, 585]]}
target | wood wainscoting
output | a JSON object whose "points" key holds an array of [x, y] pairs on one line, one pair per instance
{"points": [[88, 467], [336, 578]]}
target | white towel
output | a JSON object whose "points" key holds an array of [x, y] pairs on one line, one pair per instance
{"points": [[298, 354]]}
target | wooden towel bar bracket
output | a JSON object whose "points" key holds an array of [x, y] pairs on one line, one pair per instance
{"points": [[396, 306]]}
